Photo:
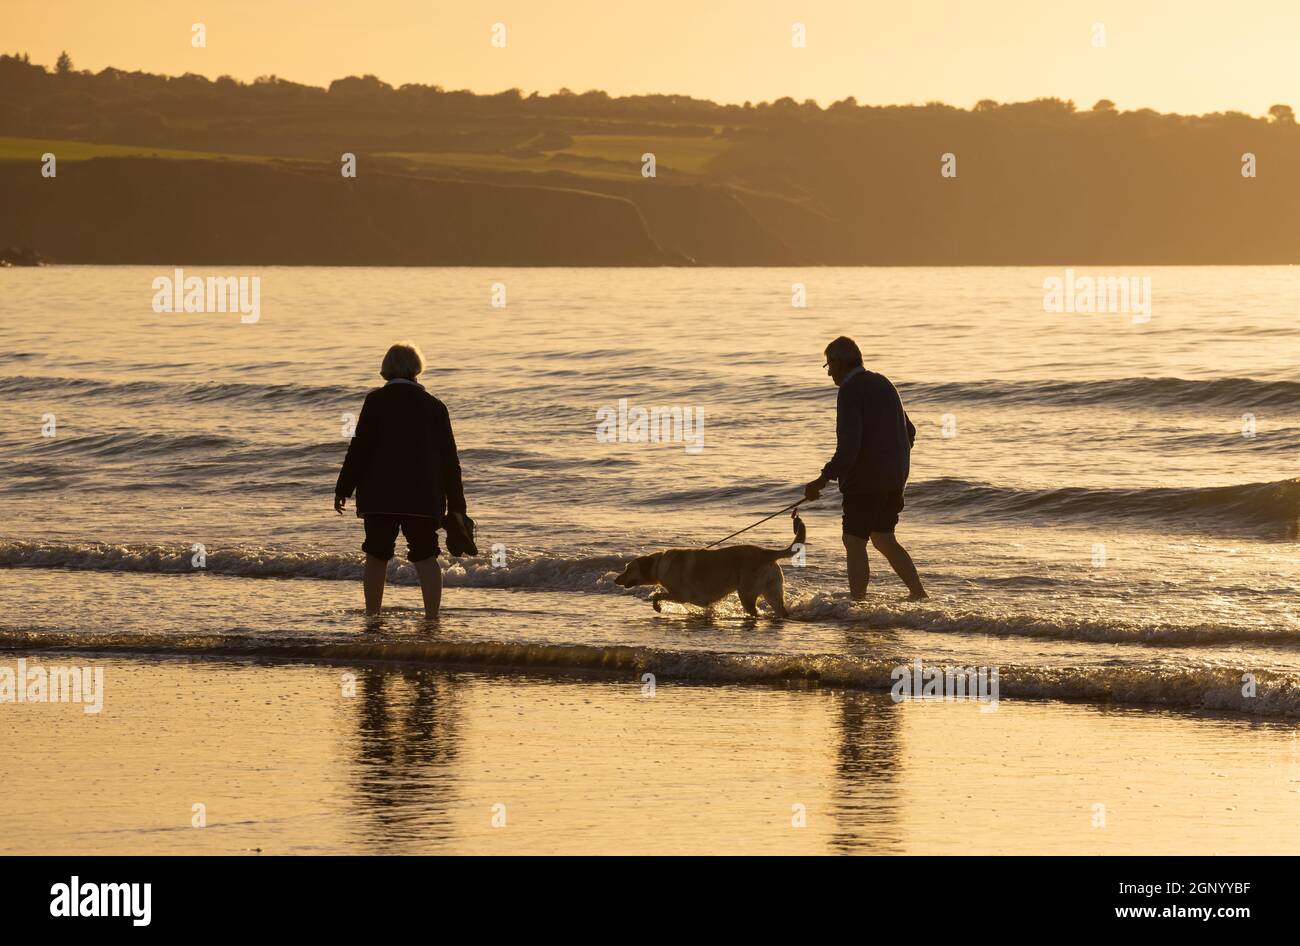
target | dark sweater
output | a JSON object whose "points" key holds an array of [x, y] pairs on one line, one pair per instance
{"points": [[402, 459], [874, 436]]}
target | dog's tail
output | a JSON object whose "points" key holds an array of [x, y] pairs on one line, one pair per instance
{"points": [[800, 535]]}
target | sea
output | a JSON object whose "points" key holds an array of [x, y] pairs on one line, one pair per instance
{"points": [[1103, 505]]}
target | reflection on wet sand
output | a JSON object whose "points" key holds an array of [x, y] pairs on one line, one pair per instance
{"points": [[286, 761], [405, 750], [866, 797]]}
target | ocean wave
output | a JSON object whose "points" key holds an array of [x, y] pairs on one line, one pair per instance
{"points": [[1264, 509], [1267, 510], [1284, 440], [751, 490], [595, 573], [1239, 394], [583, 573], [136, 459], [1277, 695], [982, 619], [199, 392], [135, 444]]}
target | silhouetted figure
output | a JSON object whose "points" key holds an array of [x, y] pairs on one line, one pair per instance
{"points": [[874, 438], [402, 462]]}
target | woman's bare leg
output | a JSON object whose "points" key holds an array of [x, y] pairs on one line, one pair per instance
{"points": [[373, 583], [430, 584]]}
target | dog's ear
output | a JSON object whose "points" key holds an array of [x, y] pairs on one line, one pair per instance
{"points": [[641, 570], [634, 572]]}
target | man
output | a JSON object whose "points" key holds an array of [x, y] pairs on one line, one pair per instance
{"points": [[874, 440]]}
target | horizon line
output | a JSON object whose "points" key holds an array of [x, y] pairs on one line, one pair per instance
{"points": [[562, 90]]}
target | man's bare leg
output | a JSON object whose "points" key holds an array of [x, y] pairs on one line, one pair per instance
{"points": [[430, 584], [373, 583], [859, 569], [887, 545]]}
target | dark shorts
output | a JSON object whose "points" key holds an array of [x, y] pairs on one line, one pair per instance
{"points": [[381, 536], [865, 513]]}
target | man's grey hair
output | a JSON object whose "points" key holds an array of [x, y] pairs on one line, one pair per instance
{"points": [[403, 360]]}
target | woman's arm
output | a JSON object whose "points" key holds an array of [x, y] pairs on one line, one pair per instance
{"points": [[359, 449], [449, 464]]}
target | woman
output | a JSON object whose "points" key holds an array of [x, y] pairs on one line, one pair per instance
{"points": [[403, 465]]}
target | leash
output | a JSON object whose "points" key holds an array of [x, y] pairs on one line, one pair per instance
{"points": [[759, 523]]}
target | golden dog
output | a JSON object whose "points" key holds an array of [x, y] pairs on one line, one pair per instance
{"points": [[704, 577]]}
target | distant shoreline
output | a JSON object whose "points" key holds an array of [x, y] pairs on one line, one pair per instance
{"points": [[895, 211]]}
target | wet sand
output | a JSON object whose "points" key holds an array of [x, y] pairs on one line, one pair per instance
{"points": [[285, 761]]}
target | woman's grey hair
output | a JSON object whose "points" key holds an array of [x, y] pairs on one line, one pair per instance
{"points": [[402, 361]]}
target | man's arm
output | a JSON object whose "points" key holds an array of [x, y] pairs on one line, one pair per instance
{"points": [[911, 429], [848, 442], [848, 435]]}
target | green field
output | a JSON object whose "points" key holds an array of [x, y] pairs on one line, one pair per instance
{"points": [[480, 161], [31, 149], [605, 156], [681, 153]]}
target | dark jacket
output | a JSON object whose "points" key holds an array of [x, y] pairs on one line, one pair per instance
{"points": [[873, 434], [402, 458]]}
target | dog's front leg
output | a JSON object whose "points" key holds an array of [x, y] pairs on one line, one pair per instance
{"points": [[661, 596]]}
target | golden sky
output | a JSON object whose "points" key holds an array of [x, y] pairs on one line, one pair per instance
{"points": [[1187, 56]]}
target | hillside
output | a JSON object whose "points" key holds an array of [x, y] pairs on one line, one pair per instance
{"points": [[457, 178]]}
